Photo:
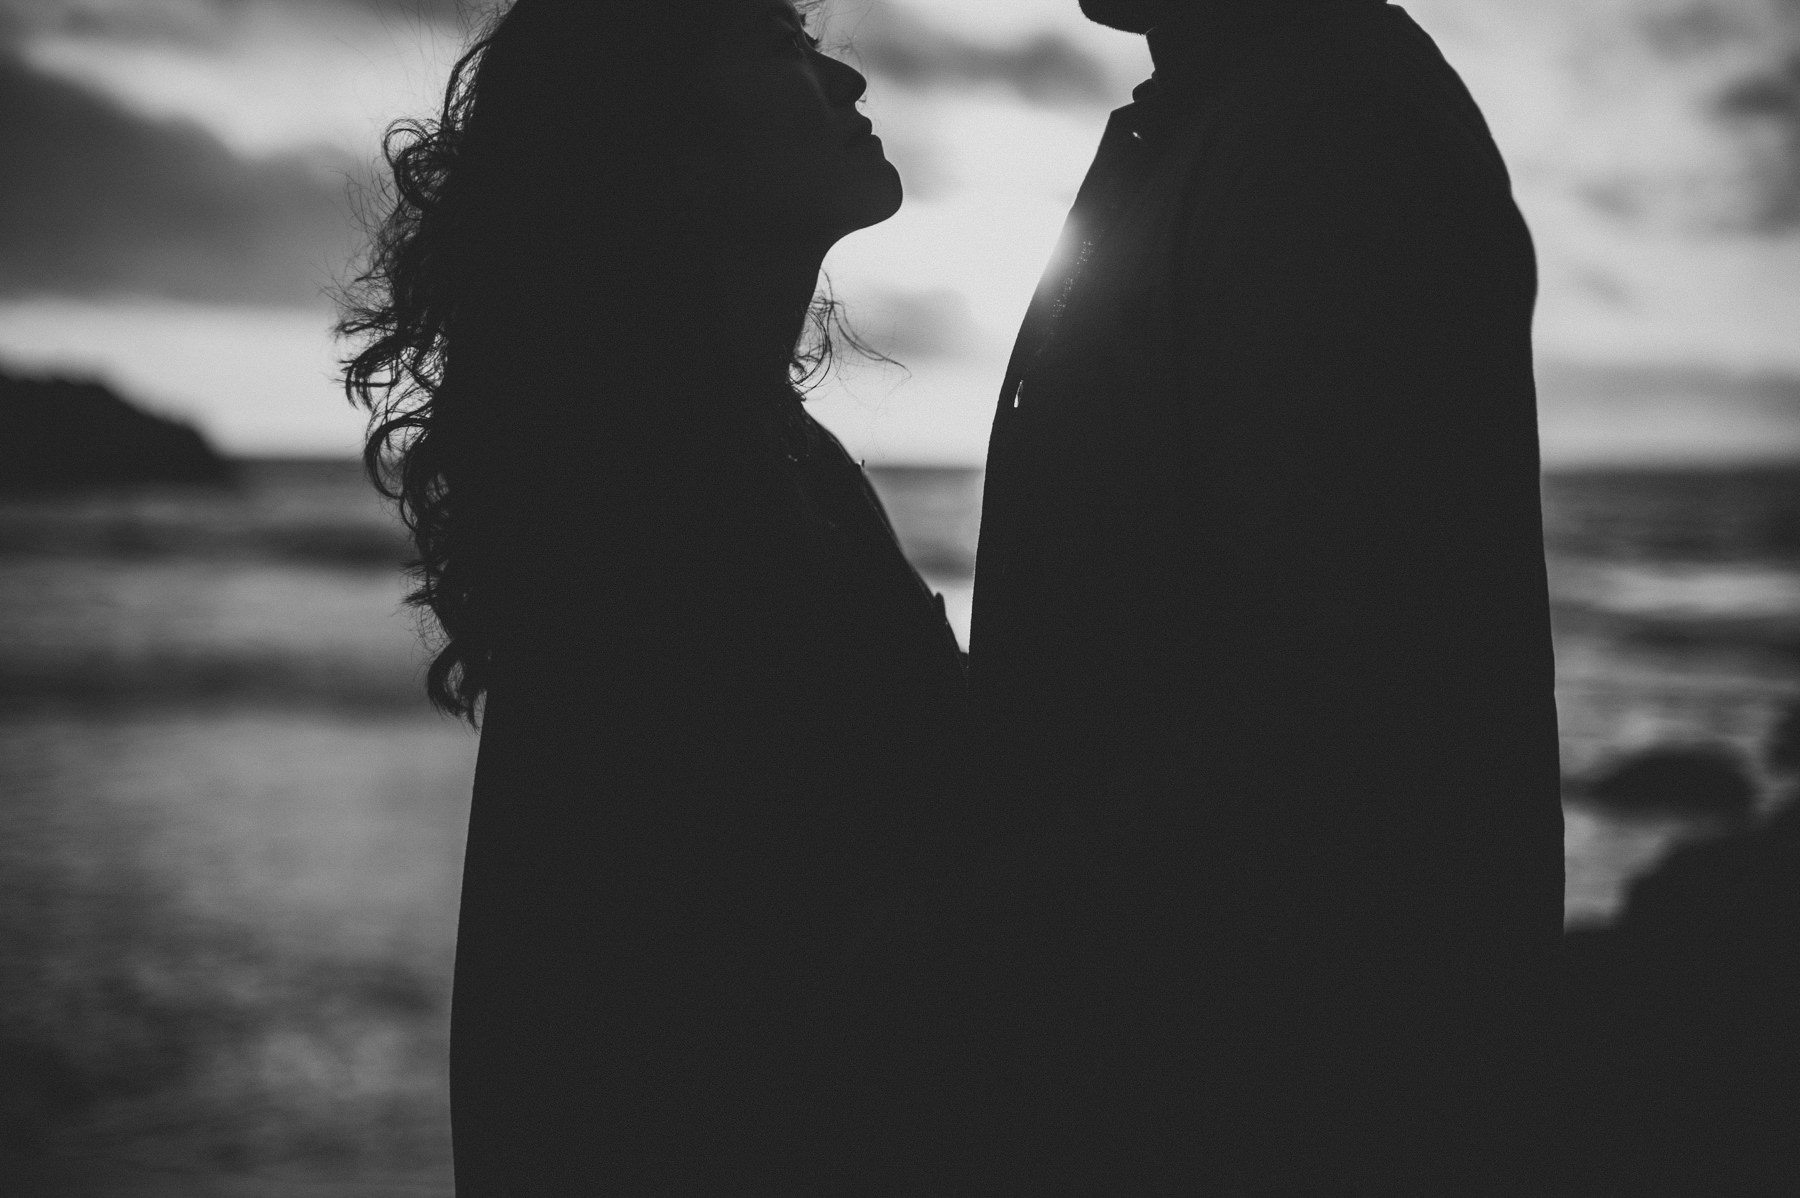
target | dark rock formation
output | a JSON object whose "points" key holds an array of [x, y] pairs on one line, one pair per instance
{"points": [[1703, 782], [1681, 1062], [1784, 742], [57, 434]]}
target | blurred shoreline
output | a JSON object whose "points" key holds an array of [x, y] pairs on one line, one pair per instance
{"points": [[231, 837]]}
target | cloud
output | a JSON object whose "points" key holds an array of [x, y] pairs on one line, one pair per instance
{"points": [[136, 20], [913, 326], [1698, 26], [1046, 68], [200, 20], [1766, 106], [103, 202], [1754, 48], [1593, 413]]}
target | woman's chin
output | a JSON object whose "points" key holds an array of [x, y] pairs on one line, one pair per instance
{"points": [[882, 196], [895, 193], [876, 198], [869, 196]]}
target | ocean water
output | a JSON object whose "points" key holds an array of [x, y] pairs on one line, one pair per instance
{"points": [[230, 828]]}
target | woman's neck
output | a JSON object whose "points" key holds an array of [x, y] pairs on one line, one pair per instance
{"points": [[1197, 45], [739, 314], [763, 294]]}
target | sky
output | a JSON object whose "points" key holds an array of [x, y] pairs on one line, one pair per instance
{"points": [[182, 181]]}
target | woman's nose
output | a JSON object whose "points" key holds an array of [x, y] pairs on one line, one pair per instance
{"points": [[844, 84]]}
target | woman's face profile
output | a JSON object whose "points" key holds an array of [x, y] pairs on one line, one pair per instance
{"points": [[795, 160]]}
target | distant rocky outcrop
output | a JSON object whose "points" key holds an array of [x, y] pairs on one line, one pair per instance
{"points": [[1679, 1055], [1697, 782], [57, 434]]}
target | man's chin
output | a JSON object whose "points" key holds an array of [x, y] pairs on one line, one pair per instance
{"points": [[1133, 16]]}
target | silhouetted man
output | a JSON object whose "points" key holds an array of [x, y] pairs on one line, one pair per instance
{"points": [[1260, 604]]}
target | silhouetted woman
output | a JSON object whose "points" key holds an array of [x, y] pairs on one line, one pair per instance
{"points": [[719, 709]]}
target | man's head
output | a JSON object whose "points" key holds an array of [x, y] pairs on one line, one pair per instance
{"points": [[1137, 16], [1133, 16]]}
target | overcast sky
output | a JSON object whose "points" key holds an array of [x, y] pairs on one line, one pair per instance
{"points": [[178, 177]]}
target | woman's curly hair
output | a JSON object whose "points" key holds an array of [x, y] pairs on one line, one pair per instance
{"points": [[401, 307], [430, 262]]}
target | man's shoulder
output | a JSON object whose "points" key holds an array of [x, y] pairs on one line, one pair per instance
{"points": [[1388, 68], [1367, 69], [1364, 90]]}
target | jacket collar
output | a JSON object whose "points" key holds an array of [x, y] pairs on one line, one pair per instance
{"points": [[1198, 54]]}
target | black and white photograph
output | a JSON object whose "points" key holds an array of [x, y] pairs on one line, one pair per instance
{"points": [[899, 598]]}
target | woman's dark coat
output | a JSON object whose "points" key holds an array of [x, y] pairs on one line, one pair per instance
{"points": [[1260, 612], [725, 722]]}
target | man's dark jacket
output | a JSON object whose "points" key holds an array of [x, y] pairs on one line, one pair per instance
{"points": [[1261, 598]]}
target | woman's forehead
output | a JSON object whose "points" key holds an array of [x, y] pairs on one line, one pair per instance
{"points": [[734, 20], [761, 10]]}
